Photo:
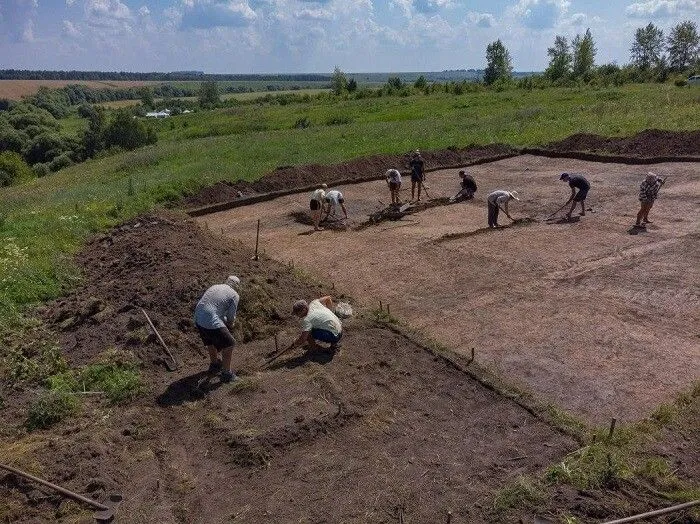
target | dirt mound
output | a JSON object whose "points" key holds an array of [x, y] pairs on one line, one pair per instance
{"points": [[364, 168], [163, 264], [648, 143]]}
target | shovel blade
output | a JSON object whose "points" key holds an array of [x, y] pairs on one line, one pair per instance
{"points": [[107, 515]]}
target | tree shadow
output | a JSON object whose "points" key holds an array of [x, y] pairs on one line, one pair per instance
{"points": [[188, 389], [635, 230]]}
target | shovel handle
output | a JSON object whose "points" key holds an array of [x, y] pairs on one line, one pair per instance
{"points": [[55, 487], [160, 339]]}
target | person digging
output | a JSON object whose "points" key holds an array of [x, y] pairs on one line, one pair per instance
{"points": [[576, 182], [648, 191], [495, 200], [393, 180], [318, 323], [332, 200], [417, 165], [214, 316], [316, 206], [468, 187]]}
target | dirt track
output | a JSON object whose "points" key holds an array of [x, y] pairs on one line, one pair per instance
{"points": [[583, 314]]}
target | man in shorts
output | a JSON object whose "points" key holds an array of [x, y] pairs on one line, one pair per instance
{"points": [[333, 199], [316, 205], [468, 187], [214, 316], [495, 200], [580, 183], [648, 191], [417, 165], [319, 323], [393, 180]]}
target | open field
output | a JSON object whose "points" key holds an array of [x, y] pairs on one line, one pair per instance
{"points": [[224, 96], [583, 314], [16, 89]]}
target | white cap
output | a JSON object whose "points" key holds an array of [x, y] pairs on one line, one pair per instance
{"points": [[324, 186], [233, 281]]}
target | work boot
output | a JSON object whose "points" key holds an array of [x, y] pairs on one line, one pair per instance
{"points": [[215, 366], [227, 377]]}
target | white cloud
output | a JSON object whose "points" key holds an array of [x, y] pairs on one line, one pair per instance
{"points": [[17, 20], [206, 14], [661, 8], [70, 2], [144, 11], [540, 14], [313, 14], [485, 20], [108, 15], [70, 30]]}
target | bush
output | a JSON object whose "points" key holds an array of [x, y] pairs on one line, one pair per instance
{"points": [[128, 132], [12, 140], [47, 146], [41, 170], [338, 120], [51, 407], [302, 123], [60, 162], [680, 82], [13, 169]]}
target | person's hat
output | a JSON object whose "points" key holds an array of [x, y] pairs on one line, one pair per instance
{"points": [[462, 173], [514, 195], [233, 281], [564, 176], [299, 306], [416, 153], [324, 186], [651, 176]]}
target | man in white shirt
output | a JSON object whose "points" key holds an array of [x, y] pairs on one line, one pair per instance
{"points": [[318, 323], [393, 180], [214, 316], [316, 205], [495, 200], [333, 199]]}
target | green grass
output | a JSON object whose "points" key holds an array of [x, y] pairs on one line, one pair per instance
{"points": [[47, 220], [51, 407]]}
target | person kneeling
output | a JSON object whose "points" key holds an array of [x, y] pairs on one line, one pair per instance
{"points": [[319, 323]]}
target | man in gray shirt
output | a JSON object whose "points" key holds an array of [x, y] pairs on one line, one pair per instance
{"points": [[214, 316]]}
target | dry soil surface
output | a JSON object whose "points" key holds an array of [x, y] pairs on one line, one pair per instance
{"points": [[591, 315]]}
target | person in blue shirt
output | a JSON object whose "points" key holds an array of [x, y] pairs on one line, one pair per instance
{"points": [[214, 316]]}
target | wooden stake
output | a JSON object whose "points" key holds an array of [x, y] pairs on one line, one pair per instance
{"points": [[380, 306], [257, 240], [388, 312], [612, 428], [277, 348]]}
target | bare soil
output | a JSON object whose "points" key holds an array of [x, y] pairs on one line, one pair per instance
{"points": [[16, 89], [580, 313], [382, 425]]}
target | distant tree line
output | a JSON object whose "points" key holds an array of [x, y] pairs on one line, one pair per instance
{"points": [[653, 57], [27, 74]]}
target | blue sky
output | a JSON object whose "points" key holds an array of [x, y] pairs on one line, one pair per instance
{"points": [[257, 36]]}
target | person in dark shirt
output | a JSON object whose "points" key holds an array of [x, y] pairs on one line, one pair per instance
{"points": [[580, 183], [417, 165], [468, 187]]}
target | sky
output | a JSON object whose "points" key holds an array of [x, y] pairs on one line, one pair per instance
{"points": [[292, 36]]}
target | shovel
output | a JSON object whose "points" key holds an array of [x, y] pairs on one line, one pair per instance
{"points": [[550, 217], [172, 364], [105, 512], [425, 189]]}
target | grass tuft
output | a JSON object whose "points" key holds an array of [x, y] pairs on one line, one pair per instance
{"points": [[522, 492], [51, 407]]}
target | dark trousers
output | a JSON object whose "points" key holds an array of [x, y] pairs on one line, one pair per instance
{"points": [[493, 215]]}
